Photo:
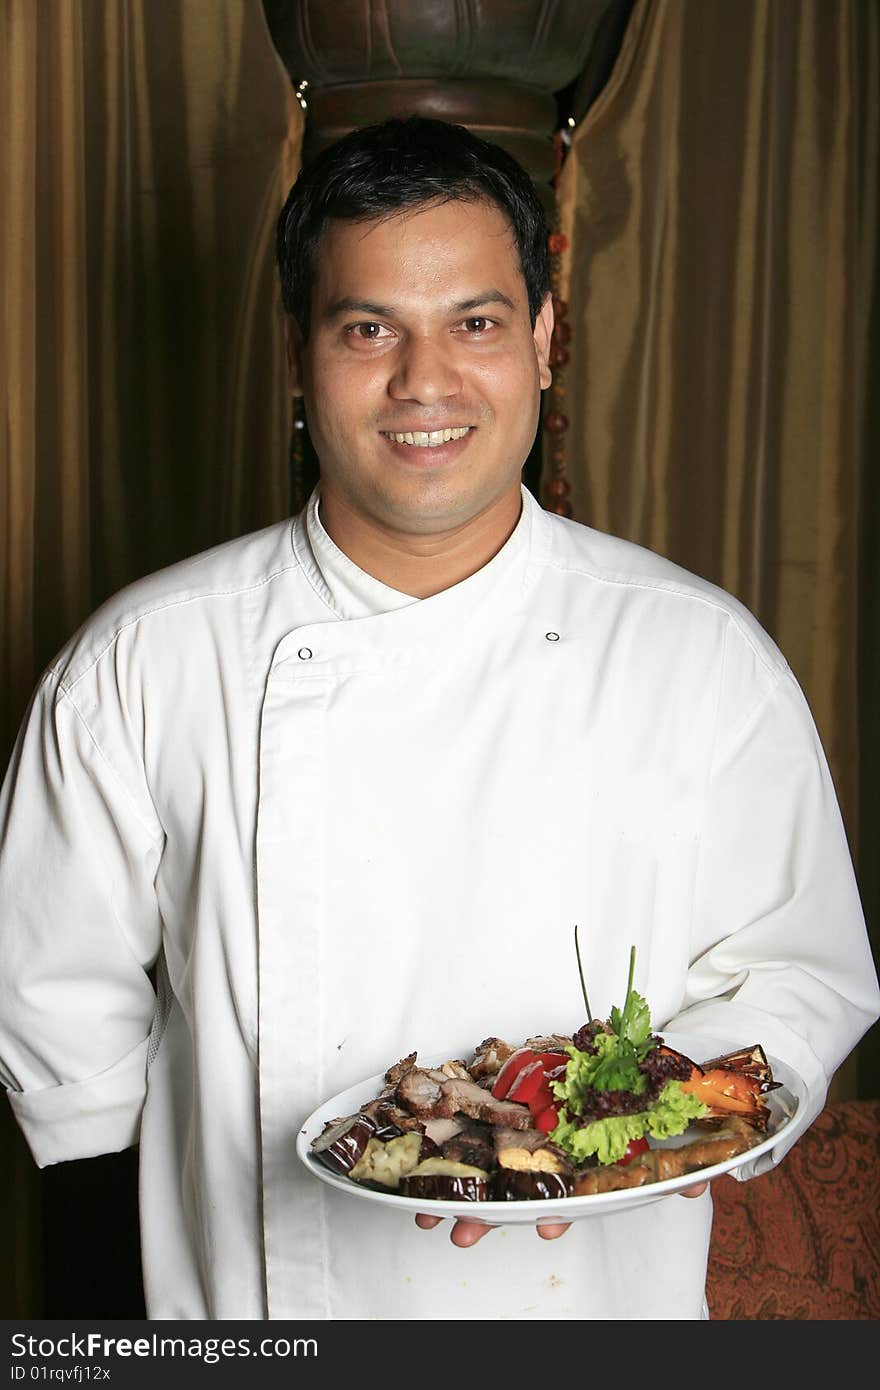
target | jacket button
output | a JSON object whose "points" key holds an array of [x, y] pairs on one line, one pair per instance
{"points": [[305, 653], [552, 636]]}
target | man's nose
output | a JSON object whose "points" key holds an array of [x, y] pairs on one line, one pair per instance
{"points": [[424, 371]]}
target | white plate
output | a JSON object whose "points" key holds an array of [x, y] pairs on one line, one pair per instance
{"points": [[783, 1104]]}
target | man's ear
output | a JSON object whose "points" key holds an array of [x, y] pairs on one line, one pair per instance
{"points": [[293, 342], [542, 334]]}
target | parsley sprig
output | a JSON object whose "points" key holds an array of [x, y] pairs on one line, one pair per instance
{"points": [[616, 1067]]}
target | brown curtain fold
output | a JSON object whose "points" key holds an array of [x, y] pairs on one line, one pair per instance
{"points": [[146, 153], [192, 139], [720, 199]]}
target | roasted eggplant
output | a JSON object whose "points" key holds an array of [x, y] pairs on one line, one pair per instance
{"points": [[343, 1142], [516, 1185], [384, 1163], [440, 1179]]}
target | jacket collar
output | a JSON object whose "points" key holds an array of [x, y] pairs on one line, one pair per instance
{"points": [[389, 619]]}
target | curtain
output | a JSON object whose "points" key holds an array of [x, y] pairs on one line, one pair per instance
{"points": [[145, 152], [720, 201]]}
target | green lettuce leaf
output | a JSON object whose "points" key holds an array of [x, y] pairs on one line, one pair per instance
{"points": [[670, 1114]]}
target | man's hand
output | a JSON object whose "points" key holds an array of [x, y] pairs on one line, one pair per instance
{"points": [[468, 1232], [696, 1191]]}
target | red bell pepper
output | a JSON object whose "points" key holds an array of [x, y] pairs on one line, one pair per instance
{"points": [[632, 1150], [527, 1082], [511, 1070], [516, 1064], [547, 1119]]}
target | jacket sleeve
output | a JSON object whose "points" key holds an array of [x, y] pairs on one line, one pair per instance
{"points": [[79, 930], [779, 954]]}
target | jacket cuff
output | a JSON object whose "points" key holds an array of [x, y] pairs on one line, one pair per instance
{"points": [[82, 1119]]}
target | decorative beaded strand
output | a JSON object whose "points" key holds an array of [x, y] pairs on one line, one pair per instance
{"points": [[555, 422]]}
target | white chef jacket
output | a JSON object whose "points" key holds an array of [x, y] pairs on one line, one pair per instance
{"points": [[349, 824]]}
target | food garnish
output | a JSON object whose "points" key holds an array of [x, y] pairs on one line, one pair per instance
{"points": [[620, 1086], [556, 1116]]}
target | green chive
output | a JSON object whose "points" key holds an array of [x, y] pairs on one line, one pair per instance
{"points": [[632, 967], [581, 972]]}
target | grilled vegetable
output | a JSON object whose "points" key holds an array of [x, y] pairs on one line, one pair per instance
{"points": [[522, 1073], [734, 1084], [343, 1142], [659, 1164], [634, 1148], [556, 1116], [384, 1164], [532, 1160], [510, 1185], [440, 1179]]}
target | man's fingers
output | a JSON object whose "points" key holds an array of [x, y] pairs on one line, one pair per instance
{"points": [[552, 1230], [463, 1233], [696, 1191], [428, 1223]]}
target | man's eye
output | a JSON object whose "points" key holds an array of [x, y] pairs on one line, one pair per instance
{"points": [[477, 325], [371, 332]]}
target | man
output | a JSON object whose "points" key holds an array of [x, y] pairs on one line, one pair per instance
{"points": [[351, 782]]}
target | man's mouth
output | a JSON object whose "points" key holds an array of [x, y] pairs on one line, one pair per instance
{"points": [[428, 439]]}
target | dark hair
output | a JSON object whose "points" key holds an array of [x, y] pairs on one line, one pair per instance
{"points": [[379, 169]]}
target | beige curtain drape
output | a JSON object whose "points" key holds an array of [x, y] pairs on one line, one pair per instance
{"points": [[720, 199], [145, 151]]}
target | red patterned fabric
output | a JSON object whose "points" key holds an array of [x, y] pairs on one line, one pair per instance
{"points": [[803, 1241]]}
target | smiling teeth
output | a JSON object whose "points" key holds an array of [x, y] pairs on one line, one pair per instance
{"points": [[422, 440]]}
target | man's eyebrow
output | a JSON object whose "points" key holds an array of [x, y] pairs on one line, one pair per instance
{"points": [[358, 306], [350, 305], [479, 300]]}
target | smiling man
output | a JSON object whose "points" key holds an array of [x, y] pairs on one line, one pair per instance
{"points": [[422, 372], [348, 785]]}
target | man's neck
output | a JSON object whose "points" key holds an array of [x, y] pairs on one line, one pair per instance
{"points": [[414, 564]]}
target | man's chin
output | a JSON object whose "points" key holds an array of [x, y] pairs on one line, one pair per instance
{"points": [[435, 514]]}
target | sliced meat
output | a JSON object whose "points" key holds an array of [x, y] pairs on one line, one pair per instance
{"points": [[399, 1070], [556, 1042], [456, 1068], [473, 1145], [423, 1093], [479, 1104], [441, 1129], [387, 1115], [529, 1139], [489, 1057]]}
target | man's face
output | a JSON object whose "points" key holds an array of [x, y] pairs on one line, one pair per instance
{"points": [[420, 324]]}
